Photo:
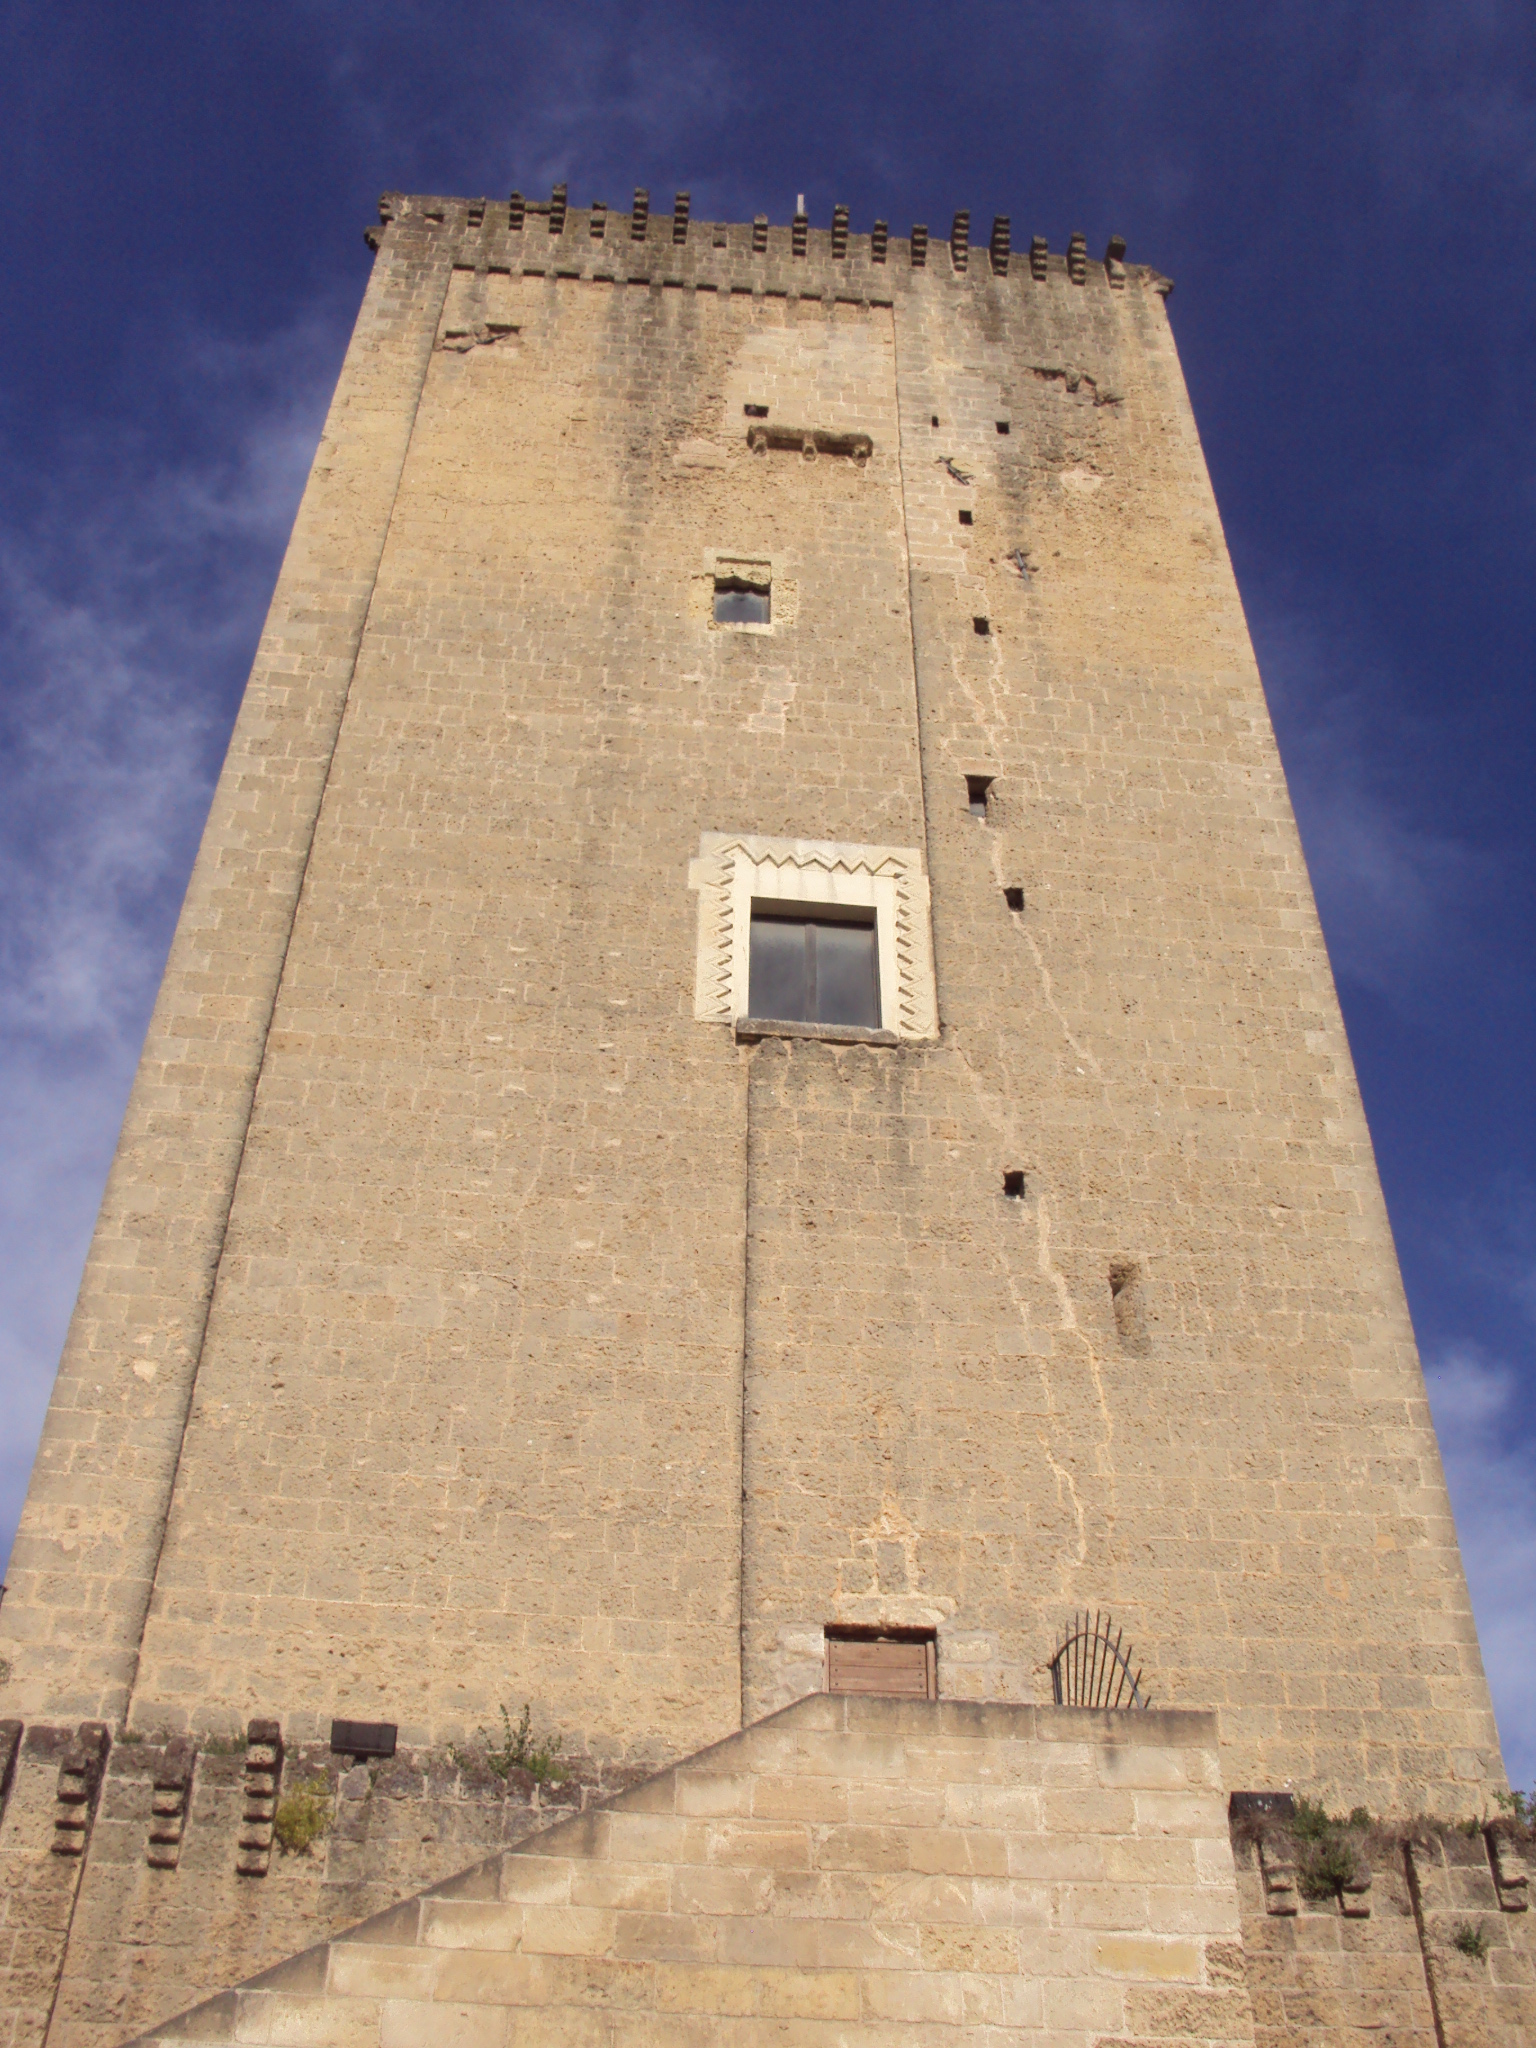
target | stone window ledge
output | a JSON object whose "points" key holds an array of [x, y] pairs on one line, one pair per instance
{"points": [[750, 1029]]}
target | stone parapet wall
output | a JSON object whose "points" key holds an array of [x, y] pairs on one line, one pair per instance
{"points": [[179, 1884], [490, 237], [1428, 1944], [850, 1871]]}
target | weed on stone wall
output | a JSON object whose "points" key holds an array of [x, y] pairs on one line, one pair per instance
{"points": [[225, 1745], [518, 1750], [1334, 1853], [302, 1816], [1519, 1811], [1472, 1941], [1330, 1849]]}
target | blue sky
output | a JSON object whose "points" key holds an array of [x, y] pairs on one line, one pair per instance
{"points": [[1344, 196]]}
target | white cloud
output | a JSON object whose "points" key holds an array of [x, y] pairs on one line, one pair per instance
{"points": [[129, 606], [1489, 1469], [1389, 889]]}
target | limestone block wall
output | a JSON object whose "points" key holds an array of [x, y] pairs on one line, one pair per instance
{"points": [[1427, 1947], [856, 1870], [185, 1889]]}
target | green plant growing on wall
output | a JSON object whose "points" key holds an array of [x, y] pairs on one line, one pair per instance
{"points": [[1520, 1806], [517, 1751], [302, 1816], [1472, 1941], [1328, 1858]]}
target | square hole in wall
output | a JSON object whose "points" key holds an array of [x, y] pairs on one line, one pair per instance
{"points": [[755, 412], [978, 790], [982, 626], [967, 519], [1014, 898], [1004, 427], [1013, 1184]]}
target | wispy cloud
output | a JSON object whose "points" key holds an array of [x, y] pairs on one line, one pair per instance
{"points": [[128, 609], [1389, 888], [1489, 1466], [1494, 1240]]}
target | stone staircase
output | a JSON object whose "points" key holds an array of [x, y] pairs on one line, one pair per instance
{"points": [[849, 1873]]}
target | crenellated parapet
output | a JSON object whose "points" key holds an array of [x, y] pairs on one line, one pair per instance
{"points": [[549, 238]]}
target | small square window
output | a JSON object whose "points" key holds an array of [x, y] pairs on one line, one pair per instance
{"points": [[755, 412], [1003, 427], [982, 626], [814, 965], [967, 518], [978, 788], [739, 602]]}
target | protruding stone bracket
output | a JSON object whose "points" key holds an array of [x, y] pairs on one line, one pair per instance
{"points": [[1510, 1876], [839, 233], [1114, 262], [759, 234], [263, 1779], [517, 209], [557, 210], [919, 246], [800, 234], [680, 208], [1039, 254], [170, 1800], [810, 441], [79, 1787], [1077, 259], [640, 214], [960, 239], [1002, 236], [1277, 1861], [879, 241]]}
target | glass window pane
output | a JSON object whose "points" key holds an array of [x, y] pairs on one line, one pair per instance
{"points": [[776, 987], [738, 604], [847, 988]]}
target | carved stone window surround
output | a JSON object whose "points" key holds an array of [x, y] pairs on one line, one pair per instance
{"points": [[734, 870]]}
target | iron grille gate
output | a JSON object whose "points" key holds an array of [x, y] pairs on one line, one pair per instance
{"points": [[1090, 1669]]}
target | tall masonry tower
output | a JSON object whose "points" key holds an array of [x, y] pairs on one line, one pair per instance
{"points": [[747, 1121]]}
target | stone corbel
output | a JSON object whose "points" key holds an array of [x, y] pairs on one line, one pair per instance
{"points": [[1277, 1860], [1510, 1876]]}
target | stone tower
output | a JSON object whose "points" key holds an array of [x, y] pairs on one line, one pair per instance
{"points": [[747, 1103]]}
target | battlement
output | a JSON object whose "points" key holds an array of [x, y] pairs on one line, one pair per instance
{"points": [[542, 238]]}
